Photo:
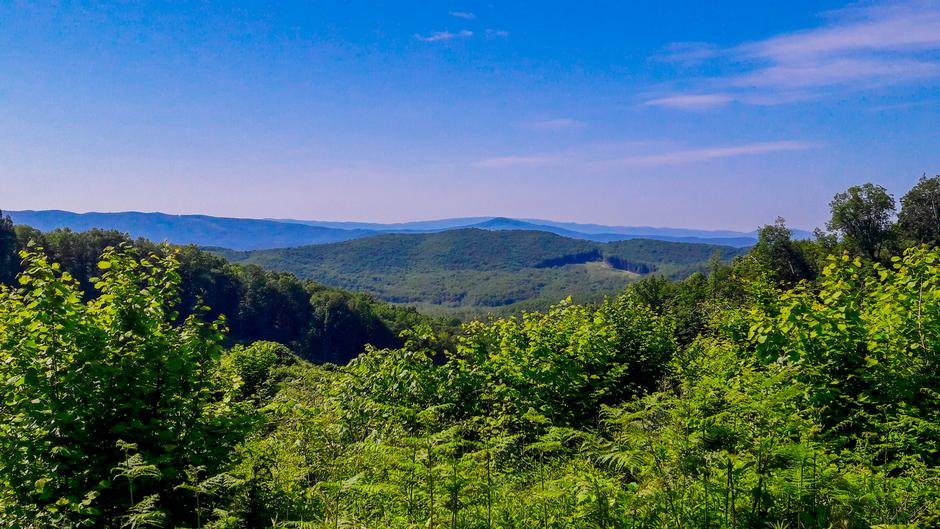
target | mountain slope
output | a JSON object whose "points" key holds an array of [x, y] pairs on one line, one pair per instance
{"points": [[473, 271]]}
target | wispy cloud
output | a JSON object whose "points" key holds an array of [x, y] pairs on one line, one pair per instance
{"points": [[554, 124], [904, 105], [520, 161], [851, 73], [466, 15], [441, 36], [691, 101], [899, 27], [592, 158], [705, 154], [859, 48], [688, 53], [497, 33]]}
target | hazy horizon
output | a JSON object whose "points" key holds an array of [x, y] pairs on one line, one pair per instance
{"points": [[720, 116], [357, 222]]}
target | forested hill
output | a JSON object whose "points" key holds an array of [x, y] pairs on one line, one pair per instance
{"points": [[473, 271]]}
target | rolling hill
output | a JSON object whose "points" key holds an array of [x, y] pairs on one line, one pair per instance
{"points": [[474, 271]]}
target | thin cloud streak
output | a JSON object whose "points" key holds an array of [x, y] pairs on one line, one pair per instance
{"points": [[689, 53], [466, 15], [590, 159], [441, 36], [861, 48], [690, 101], [861, 73], [706, 154], [515, 161], [874, 29], [554, 124]]}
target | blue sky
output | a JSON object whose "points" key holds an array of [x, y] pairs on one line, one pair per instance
{"points": [[694, 114]]}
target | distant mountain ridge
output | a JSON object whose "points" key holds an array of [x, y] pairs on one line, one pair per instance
{"points": [[593, 232], [738, 240], [201, 230], [258, 234]]}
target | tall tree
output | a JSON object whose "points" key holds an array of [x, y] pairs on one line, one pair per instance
{"points": [[781, 255], [8, 259], [920, 212], [863, 215]]}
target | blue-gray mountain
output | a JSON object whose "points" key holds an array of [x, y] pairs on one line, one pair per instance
{"points": [[257, 234]]}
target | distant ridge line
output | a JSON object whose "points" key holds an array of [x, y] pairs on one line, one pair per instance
{"points": [[256, 234]]}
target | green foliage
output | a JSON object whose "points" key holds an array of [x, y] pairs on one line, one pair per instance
{"points": [[249, 369], [106, 402], [871, 336], [565, 363]]}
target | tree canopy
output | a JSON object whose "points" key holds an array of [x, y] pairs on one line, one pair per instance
{"points": [[920, 211], [863, 215]]}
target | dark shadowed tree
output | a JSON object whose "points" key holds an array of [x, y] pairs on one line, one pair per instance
{"points": [[920, 212], [9, 262], [862, 215], [781, 255]]}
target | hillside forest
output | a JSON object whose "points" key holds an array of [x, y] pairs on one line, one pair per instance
{"points": [[793, 386], [469, 273]]}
